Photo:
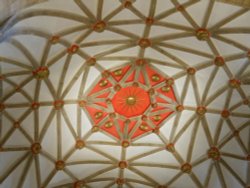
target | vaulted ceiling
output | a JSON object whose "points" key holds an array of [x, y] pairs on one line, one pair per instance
{"points": [[125, 93]]}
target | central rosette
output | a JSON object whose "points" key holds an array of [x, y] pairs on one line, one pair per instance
{"points": [[131, 101]]}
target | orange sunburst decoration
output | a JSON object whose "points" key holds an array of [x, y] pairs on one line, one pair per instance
{"points": [[127, 103], [131, 101]]}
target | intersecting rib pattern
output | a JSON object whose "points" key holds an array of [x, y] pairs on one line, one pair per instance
{"points": [[56, 56]]}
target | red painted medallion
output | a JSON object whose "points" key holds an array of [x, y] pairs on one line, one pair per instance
{"points": [[131, 101]]}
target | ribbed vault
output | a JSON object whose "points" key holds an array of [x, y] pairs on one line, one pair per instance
{"points": [[66, 66]]}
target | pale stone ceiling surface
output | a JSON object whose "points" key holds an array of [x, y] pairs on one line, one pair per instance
{"points": [[243, 3], [11, 7], [125, 93]]}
